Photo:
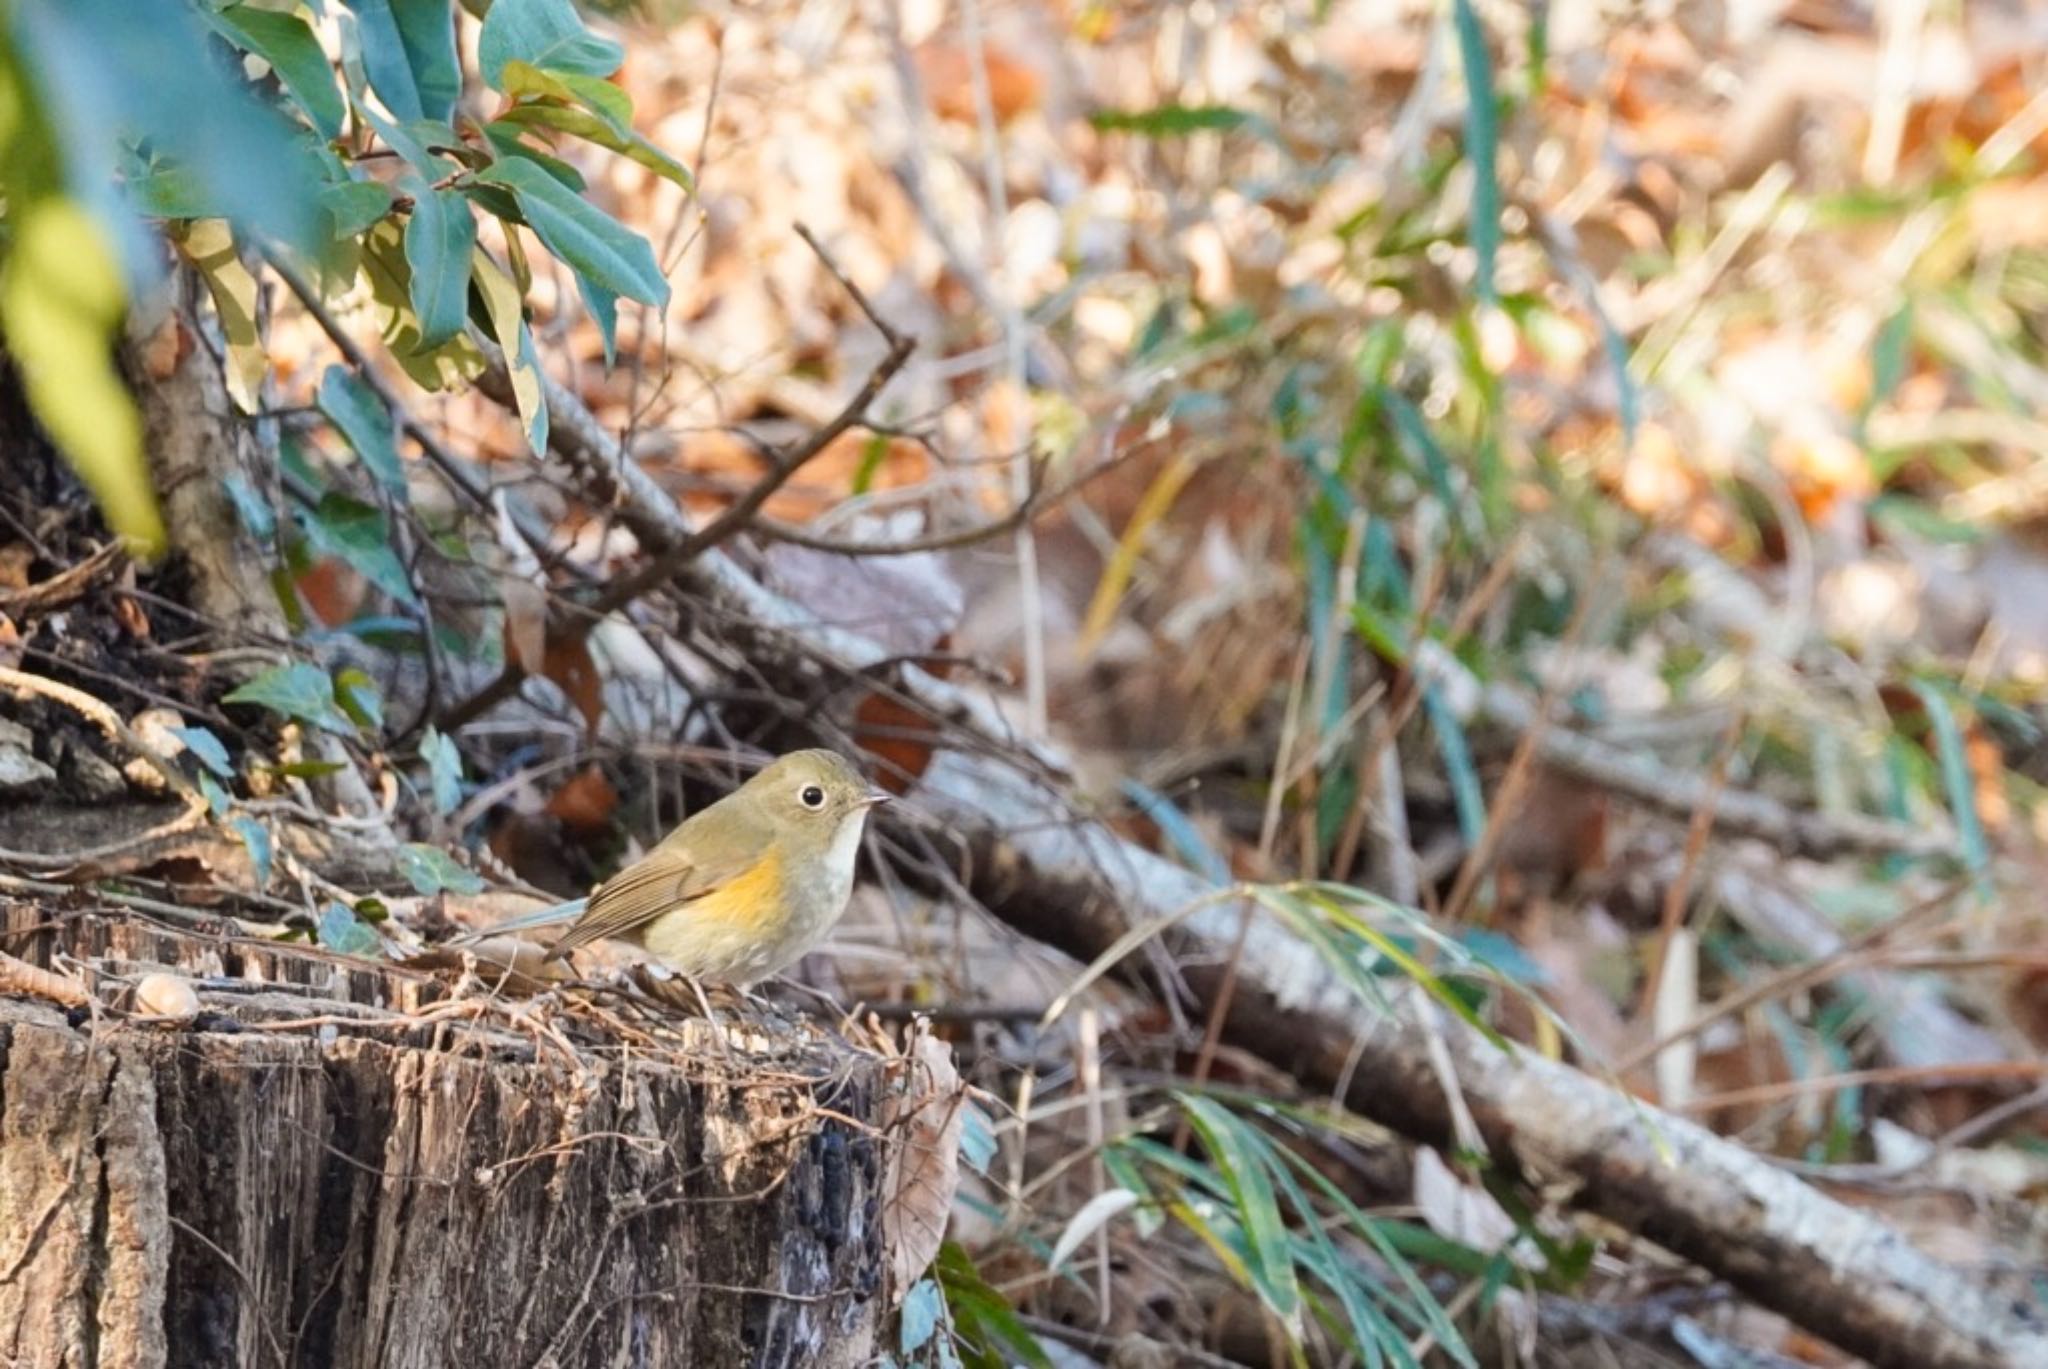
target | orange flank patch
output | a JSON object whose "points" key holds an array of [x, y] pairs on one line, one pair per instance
{"points": [[752, 900]]}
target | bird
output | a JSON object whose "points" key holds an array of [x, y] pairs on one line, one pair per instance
{"points": [[741, 889]]}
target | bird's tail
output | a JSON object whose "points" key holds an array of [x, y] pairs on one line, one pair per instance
{"points": [[553, 916]]}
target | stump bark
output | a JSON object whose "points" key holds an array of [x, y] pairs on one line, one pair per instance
{"points": [[258, 1189]]}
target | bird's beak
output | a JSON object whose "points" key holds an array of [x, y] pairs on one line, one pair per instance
{"points": [[875, 798]]}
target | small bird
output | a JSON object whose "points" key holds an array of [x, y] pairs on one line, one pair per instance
{"points": [[741, 889]]}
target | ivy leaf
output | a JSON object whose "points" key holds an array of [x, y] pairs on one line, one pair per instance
{"points": [[287, 43], [433, 870], [921, 1308], [358, 534], [542, 33], [439, 239], [341, 930], [361, 418], [444, 769], [206, 748], [359, 697], [256, 837], [588, 239], [299, 690]]}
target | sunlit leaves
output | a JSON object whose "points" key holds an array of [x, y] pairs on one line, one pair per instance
{"points": [[61, 303], [439, 238], [209, 245], [582, 235], [543, 33], [508, 325], [596, 111]]}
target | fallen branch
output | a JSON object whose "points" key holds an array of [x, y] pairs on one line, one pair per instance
{"points": [[1077, 886], [1737, 812], [1830, 1268]]}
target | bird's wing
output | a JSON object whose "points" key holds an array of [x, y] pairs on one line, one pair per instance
{"points": [[640, 893]]}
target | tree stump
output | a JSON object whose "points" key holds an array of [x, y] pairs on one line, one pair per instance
{"points": [[318, 1170]]}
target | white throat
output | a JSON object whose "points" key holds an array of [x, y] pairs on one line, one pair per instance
{"points": [[844, 850]]}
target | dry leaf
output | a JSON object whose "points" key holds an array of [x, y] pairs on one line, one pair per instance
{"points": [[924, 1161], [585, 803], [526, 621]]}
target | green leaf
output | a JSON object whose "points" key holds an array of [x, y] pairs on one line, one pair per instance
{"points": [[1467, 797], [1171, 121], [432, 870], [506, 141], [508, 326], [983, 1316], [604, 307], [439, 239], [542, 33], [308, 770], [61, 304], [582, 235], [341, 930], [355, 205], [359, 697], [361, 418], [288, 44], [358, 533], [921, 1308], [1482, 140], [1251, 1189], [299, 690], [1956, 777], [444, 769], [591, 128], [409, 54], [256, 837], [207, 749]]}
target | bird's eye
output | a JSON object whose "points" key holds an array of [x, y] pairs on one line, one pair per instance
{"points": [[812, 798]]}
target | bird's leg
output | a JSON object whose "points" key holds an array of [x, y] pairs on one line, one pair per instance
{"points": [[717, 1027]]}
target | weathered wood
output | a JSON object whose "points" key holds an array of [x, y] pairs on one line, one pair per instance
{"points": [[354, 1195]]}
